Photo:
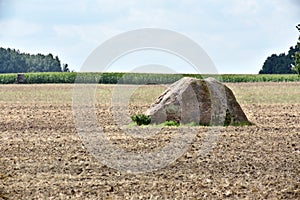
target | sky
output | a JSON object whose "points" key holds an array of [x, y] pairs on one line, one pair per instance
{"points": [[238, 35]]}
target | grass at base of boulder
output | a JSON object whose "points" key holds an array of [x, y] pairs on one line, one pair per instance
{"points": [[167, 123], [141, 119], [242, 124], [144, 120], [174, 123], [171, 123], [225, 125]]}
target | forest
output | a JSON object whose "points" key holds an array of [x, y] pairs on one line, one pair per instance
{"points": [[284, 63], [280, 64], [13, 61]]}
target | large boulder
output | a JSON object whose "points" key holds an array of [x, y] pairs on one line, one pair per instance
{"points": [[203, 102]]}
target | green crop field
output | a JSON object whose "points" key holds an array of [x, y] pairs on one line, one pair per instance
{"points": [[139, 78]]}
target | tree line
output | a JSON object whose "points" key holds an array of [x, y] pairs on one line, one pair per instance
{"points": [[284, 63], [12, 61]]}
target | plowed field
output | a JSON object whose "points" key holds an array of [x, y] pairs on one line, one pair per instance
{"points": [[42, 156]]}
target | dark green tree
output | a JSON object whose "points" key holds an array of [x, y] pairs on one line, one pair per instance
{"points": [[297, 54], [279, 64], [12, 61], [283, 63], [65, 68]]}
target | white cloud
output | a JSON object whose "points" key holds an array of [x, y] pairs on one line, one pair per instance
{"points": [[92, 34], [18, 28], [241, 7], [234, 32]]}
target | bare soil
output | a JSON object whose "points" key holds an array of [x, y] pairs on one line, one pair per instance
{"points": [[42, 156]]}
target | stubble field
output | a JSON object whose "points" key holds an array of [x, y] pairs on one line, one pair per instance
{"points": [[42, 156]]}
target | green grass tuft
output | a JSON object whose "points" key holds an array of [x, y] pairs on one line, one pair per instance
{"points": [[171, 123], [141, 119]]}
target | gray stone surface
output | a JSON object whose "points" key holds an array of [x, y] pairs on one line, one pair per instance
{"points": [[204, 102]]}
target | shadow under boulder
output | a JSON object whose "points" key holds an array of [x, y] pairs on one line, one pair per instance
{"points": [[201, 102]]}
